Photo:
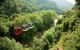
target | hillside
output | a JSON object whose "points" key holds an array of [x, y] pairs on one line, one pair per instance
{"points": [[39, 25], [63, 4], [58, 6], [32, 6], [46, 5]]}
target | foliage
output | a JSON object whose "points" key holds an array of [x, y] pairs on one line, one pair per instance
{"points": [[3, 27], [50, 35], [65, 35], [78, 2], [27, 37], [43, 19], [9, 44], [48, 38], [48, 18], [39, 44], [7, 8], [21, 6], [37, 19], [70, 35]]}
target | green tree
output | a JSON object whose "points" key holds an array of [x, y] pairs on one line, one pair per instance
{"points": [[9, 44], [78, 2]]}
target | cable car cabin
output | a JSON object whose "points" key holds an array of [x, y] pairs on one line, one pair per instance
{"points": [[18, 31]]}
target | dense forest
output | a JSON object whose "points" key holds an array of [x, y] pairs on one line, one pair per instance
{"points": [[39, 25]]}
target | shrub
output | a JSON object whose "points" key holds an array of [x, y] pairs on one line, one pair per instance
{"points": [[28, 36], [9, 44], [37, 21], [40, 21], [48, 18], [19, 20], [43, 19], [50, 35], [3, 26], [40, 44], [69, 40]]}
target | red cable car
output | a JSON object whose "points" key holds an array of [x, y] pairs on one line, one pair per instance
{"points": [[18, 31]]}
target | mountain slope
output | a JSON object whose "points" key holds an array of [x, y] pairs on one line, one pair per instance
{"points": [[58, 5], [46, 5], [63, 4]]}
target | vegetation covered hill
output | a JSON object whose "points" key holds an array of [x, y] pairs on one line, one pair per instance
{"points": [[28, 26], [22, 6]]}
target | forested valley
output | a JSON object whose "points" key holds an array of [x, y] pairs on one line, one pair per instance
{"points": [[39, 25]]}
